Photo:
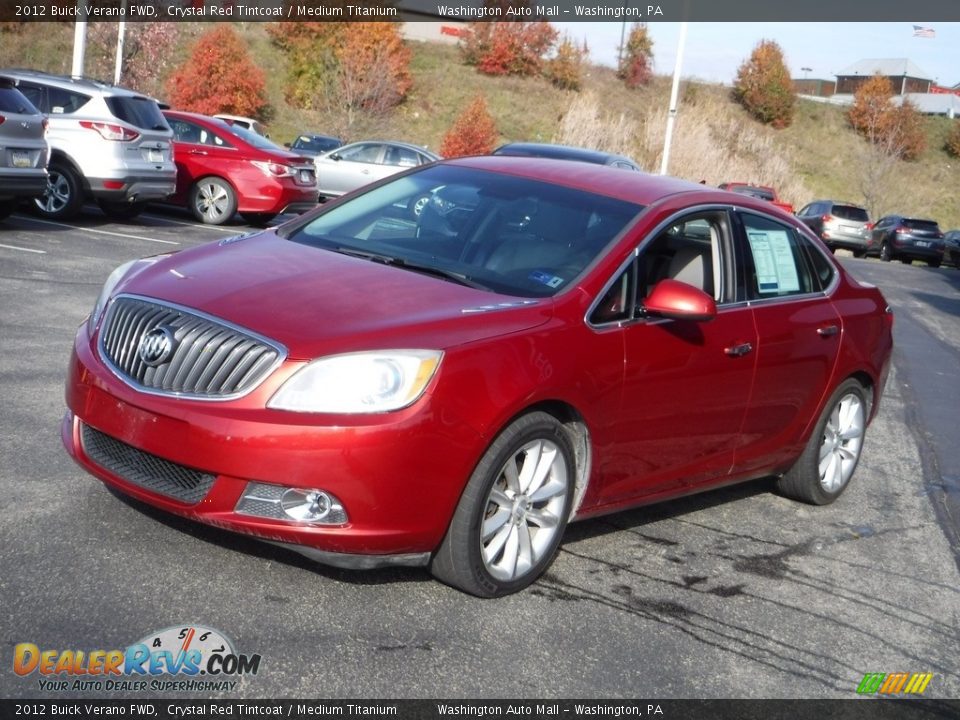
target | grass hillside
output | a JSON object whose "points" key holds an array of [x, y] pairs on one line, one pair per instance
{"points": [[817, 157]]}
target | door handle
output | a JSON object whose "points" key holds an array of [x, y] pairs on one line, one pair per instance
{"points": [[199, 152], [828, 331], [739, 350]]}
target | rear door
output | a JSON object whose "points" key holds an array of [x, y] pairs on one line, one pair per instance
{"points": [[357, 166], [798, 337], [199, 152]]}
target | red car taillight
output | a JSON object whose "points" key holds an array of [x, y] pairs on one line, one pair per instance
{"points": [[827, 218], [109, 131], [46, 124], [902, 231], [2, 119], [274, 169]]}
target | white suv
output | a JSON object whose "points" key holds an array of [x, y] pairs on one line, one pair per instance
{"points": [[107, 143]]}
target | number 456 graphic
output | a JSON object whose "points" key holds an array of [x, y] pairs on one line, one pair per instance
{"points": [[894, 683]]}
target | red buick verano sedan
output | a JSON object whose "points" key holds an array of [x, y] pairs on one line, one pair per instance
{"points": [[224, 169], [544, 341]]}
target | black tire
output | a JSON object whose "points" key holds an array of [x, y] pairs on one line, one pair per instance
{"points": [[807, 480], [213, 201], [460, 560], [119, 210], [7, 207], [859, 253], [63, 197], [256, 219], [934, 263], [886, 254]]}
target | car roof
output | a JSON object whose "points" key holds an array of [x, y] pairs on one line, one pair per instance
{"points": [[396, 143], [559, 152], [636, 187], [64, 81]]}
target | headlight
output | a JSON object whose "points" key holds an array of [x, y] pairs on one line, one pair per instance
{"points": [[111, 284], [367, 382]]}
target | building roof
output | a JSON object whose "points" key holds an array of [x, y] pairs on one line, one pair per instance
{"points": [[890, 67], [930, 104]]}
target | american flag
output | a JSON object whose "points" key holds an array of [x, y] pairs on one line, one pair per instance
{"points": [[924, 32]]}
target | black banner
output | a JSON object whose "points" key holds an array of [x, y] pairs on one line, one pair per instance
{"points": [[160, 709], [477, 10]]}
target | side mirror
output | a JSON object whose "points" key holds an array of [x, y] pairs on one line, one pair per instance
{"points": [[288, 146], [678, 301], [336, 156]]}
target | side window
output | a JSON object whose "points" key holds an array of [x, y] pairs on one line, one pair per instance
{"points": [[691, 250], [777, 265], [64, 102], [823, 269], [366, 153], [34, 94], [807, 210]]}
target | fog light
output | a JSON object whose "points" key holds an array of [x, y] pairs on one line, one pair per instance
{"points": [[285, 503]]}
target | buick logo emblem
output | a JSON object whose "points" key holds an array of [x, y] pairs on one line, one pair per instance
{"points": [[157, 346]]}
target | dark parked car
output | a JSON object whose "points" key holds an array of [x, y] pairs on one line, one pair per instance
{"points": [[566, 152], [951, 248], [539, 345], [839, 225], [907, 239], [223, 169], [23, 148], [312, 145]]}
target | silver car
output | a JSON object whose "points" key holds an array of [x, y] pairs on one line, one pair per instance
{"points": [[357, 164], [107, 144], [23, 148]]}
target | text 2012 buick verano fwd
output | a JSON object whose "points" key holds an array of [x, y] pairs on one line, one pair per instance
{"points": [[544, 342]]}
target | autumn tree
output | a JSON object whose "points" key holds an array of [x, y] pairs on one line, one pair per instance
{"points": [[565, 69], [763, 86], [147, 48], [508, 48], [219, 76], [344, 68], [636, 57], [473, 133], [892, 133]]}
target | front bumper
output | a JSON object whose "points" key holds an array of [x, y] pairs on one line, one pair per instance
{"points": [[399, 475]]}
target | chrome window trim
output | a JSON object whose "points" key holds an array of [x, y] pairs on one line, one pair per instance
{"points": [[105, 359]]}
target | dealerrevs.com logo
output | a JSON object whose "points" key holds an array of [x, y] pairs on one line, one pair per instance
{"points": [[177, 659]]}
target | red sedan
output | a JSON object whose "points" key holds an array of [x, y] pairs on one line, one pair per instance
{"points": [[543, 342], [223, 169]]}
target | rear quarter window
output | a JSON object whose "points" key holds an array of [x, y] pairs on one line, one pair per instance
{"points": [[64, 102], [140, 112]]}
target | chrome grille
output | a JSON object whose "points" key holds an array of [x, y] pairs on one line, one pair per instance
{"points": [[210, 359], [148, 471]]}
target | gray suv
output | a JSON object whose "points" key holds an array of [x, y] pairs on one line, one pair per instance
{"points": [[23, 150], [839, 225], [107, 144]]}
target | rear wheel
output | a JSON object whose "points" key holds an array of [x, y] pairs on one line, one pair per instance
{"points": [[63, 197], [507, 527], [121, 210], [824, 469], [213, 201], [886, 254], [859, 253]]}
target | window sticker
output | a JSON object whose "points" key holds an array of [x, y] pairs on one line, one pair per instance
{"points": [[546, 279], [773, 259]]}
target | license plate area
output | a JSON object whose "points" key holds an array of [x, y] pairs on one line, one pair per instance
{"points": [[20, 159]]}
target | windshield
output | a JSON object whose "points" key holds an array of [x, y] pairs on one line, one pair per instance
{"points": [[506, 234]]}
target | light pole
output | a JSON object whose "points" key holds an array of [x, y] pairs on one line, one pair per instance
{"points": [[674, 94], [806, 72]]}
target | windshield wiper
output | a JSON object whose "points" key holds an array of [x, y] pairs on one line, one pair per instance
{"points": [[399, 262]]}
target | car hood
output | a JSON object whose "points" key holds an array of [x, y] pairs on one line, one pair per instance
{"points": [[316, 302]]}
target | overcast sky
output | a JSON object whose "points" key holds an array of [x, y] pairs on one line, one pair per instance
{"points": [[714, 51]]}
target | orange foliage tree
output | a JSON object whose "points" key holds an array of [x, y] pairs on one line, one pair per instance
{"points": [[895, 131], [636, 57], [508, 48], [763, 86], [219, 76], [953, 140], [565, 69], [345, 68], [473, 133]]}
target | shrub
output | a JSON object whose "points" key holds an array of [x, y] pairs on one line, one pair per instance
{"points": [[565, 69], [953, 140], [508, 48], [636, 58], [219, 76], [764, 88], [473, 133]]}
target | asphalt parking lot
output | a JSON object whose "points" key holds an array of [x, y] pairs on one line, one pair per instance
{"points": [[734, 593]]}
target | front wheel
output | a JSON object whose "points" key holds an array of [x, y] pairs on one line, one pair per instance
{"points": [[824, 469], [507, 527], [213, 201], [886, 254]]}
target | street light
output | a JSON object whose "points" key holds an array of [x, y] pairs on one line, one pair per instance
{"points": [[805, 71]]}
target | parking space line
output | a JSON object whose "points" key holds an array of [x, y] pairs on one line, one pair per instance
{"points": [[23, 249], [99, 232], [202, 226]]}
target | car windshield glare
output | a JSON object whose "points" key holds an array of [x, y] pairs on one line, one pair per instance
{"points": [[508, 234]]}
